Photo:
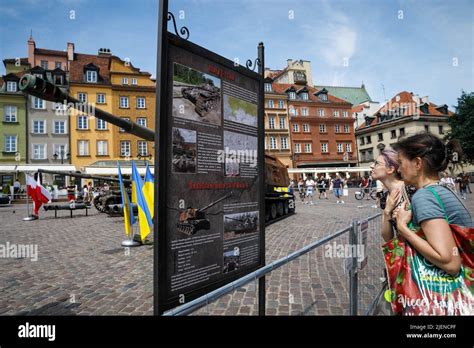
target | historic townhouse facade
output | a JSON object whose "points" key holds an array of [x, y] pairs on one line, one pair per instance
{"points": [[91, 138], [13, 126], [277, 125], [133, 94]]}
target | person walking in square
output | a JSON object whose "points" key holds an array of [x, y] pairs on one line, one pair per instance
{"points": [[337, 185], [310, 184], [322, 186]]}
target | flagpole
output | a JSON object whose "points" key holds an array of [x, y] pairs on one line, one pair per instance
{"points": [[129, 242], [29, 217]]}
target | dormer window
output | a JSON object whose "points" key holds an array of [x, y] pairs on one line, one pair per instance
{"points": [[424, 108], [292, 95], [11, 86], [304, 96], [443, 109], [58, 79], [268, 87], [323, 97], [91, 76]]}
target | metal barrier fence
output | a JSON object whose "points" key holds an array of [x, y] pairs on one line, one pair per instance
{"points": [[309, 281]]}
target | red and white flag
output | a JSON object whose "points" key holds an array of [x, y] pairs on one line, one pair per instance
{"points": [[37, 192]]}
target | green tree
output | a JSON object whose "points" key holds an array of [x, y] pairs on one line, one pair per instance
{"points": [[462, 125]]}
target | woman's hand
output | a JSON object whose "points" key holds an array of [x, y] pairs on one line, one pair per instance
{"points": [[392, 201], [403, 216]]}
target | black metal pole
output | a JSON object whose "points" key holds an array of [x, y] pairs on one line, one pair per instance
{"points": [[161, 115], [261, 155], [353, 271]]}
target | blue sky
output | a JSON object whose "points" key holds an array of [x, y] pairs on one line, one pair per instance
{"points": [[415, 50]]}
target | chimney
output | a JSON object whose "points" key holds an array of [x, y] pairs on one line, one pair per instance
{"points": [[70, 51], [289, 62], [104, 52], [31, 51]]}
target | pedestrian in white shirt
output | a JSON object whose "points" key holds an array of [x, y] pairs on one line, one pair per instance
{"points": [[310, 189], [447, 181]]}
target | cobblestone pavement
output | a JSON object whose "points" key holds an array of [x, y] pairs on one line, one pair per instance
{"points": [[82, 269]]}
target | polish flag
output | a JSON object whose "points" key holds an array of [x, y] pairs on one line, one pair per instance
{"points": [[37, 192]]}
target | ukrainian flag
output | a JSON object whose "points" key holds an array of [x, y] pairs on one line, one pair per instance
{"points": [[144, 217], [129, 219], [148, 190]]}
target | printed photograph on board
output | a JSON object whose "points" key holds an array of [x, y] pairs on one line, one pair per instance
{"points": [[196, 95], [184, 150]]}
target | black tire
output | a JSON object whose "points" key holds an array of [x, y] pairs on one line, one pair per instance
{"points": [[273, 211], [373, 195], [280, 209], [286, 208], [359, 195]]}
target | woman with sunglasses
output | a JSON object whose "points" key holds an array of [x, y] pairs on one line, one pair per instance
{"points": [[385, 169]]}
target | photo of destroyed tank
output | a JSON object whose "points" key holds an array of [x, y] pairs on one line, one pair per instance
{"points": [[231, 260], [184, 151], [236, 225], [196, 95], [192, 220]]}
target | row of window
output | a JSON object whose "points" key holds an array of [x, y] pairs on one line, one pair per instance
{"points": [[393, 134], [123, 101], [271, 104], [83, 122], [292, 94], [322, 128], [324, 147], [40, 151], [125, 81], [57, 65], [273, 145], [321, 113], [39, 127], [102, 148], [59, 126]]}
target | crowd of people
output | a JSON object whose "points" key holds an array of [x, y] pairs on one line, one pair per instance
{"points": [[86, 194], [306, 189]]}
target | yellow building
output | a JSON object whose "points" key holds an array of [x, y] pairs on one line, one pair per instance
{"points": [[133, 96], [277, 124], [89, 81]]}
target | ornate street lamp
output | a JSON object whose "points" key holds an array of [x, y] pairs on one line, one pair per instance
{"points": [[62, 155]]}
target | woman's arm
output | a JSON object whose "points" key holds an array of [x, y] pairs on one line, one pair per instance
{"points": [[439, 247], [392, 199], [387, 232]]}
